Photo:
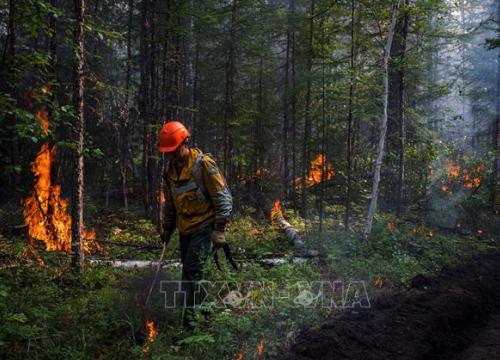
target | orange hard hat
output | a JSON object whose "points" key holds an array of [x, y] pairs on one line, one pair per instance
{"points": [[172, 135]]}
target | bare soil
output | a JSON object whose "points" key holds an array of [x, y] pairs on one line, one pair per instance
{"points": [[452, 315]]}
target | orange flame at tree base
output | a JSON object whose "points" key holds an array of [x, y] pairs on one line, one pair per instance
{"points": [[45, 211]]}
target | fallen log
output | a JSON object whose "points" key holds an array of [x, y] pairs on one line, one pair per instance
{"points": [[269, 262], [132, 245], [290, 232]]}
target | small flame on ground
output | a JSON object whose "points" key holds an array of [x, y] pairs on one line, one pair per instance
{"points": [[391, 226], [276, 211], [453, 169], [151, 335], [378, 282], [45, 211], [419, 229], [260, 347], [239, 356]]}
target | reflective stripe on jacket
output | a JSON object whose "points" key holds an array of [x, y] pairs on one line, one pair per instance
{"points": [[196, 197]]}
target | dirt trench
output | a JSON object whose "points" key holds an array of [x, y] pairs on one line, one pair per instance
{"points": [[452, 315]]}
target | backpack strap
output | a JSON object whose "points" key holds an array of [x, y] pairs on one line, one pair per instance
{"points": [[201, 192]]}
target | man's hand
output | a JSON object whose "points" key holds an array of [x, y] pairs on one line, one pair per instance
{"points": [[218, 239], [165, 237]]}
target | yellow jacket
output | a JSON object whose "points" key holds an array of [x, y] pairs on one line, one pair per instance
{"points": [[197, 197]]}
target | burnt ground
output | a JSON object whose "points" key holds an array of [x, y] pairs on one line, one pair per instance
{"points": [[452, 315]]}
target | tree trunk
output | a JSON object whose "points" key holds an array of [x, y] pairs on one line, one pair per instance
{"points": [[11, 79], [383, 125], [306, 144], [144, 102], [125, 151], [286, 108], [323, 131], [402, 114], [496, 134], [349, 146], [229, 109], [294, 109], [78, 104]]}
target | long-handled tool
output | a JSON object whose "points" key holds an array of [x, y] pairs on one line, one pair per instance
{"points": [[157, 271]]}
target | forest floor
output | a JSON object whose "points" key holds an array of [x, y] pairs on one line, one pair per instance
{"points": [[46, 312], [452, 315]]}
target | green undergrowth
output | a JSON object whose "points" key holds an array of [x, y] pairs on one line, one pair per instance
{"points": [[47, 312], [397, 251]]}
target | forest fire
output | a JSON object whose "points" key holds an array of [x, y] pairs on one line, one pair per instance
{"points": [[471, 177], [276, 210], [45, 211], [239, 356], [319, 169], [151, 335], [453, 169], [260, 348]]}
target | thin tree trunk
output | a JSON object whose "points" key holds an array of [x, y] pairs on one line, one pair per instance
{"points": [[229, 111], [496, 134], [153, 178], [11, 72], [294, 111], [383, 125], [349, 118], [124, 163], [258, 155], [402, 113], [145, 102], [285, 115], [306, 144], [78, 99], [323, 130]]}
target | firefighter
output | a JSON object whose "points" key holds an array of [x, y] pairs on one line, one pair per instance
{"points": [[198, 203]]}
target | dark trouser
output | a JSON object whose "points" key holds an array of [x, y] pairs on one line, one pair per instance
{"points": [[195, 249]]}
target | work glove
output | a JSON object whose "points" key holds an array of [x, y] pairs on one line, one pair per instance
{"points": [[165, 237], [218, 239]]}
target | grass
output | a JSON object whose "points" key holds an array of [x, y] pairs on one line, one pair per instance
{"points": [[47, 312]]}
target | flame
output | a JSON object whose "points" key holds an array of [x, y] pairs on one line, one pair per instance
{"points": [[471, 177], [162, 197], [430, 233], [260, 348], [45, 211], [419, 230], [391, 226], [318, 168], [480, 232], [239, 356], [152, 333], [378, 282], [276, 211], [453, 169]]}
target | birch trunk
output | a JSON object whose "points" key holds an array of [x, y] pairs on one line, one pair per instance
{"points": [[383, 128]]}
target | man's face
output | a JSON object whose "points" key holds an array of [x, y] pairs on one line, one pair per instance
{"points": [[178, 154]]}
